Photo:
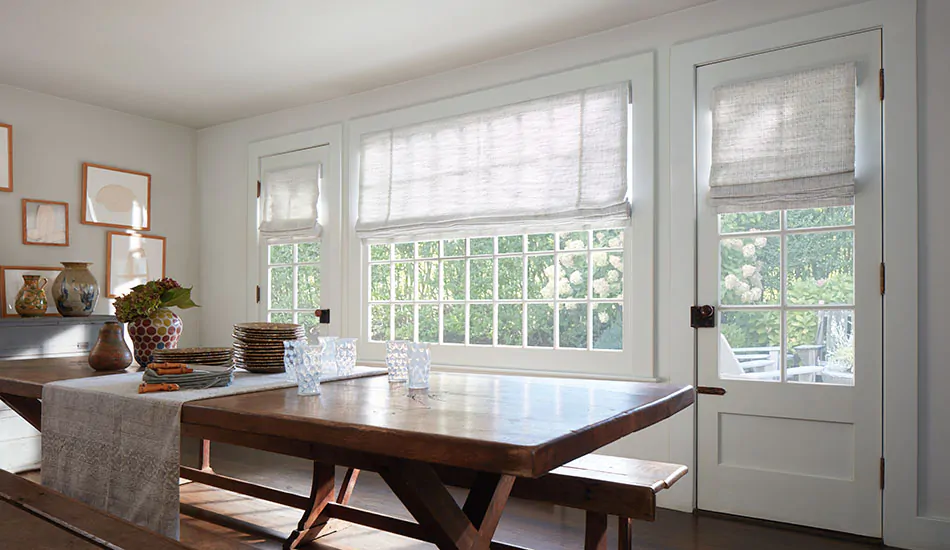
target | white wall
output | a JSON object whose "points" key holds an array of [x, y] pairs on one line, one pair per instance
{"points": [[53, 137], [223, 150], [933, 66]]}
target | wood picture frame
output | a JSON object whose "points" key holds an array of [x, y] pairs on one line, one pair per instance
{"points": [[112, 197], [48, 236], [6, 157], [130, 261], [11, 276]]}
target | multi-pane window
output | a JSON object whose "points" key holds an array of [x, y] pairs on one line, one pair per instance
{"points": [[543, 290], [293, 282], [786, 295]]}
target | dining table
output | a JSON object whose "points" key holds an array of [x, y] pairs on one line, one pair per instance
{"points": [[501, 427]]}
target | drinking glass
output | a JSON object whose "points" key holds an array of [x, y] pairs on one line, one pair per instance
{"points": [[397, 360], [293, 355], [328, 360], [419, 364], [308, 368], [345, 356]]}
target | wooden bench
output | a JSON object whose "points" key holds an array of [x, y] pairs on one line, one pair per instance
{"points": [[599, 484], [32, 516]]}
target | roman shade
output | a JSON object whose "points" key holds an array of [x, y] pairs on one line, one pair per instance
{"points": [[784, 142], [290, 198], [545, 163]]}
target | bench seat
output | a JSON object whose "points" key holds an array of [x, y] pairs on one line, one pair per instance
{"points": [[601, 485]]}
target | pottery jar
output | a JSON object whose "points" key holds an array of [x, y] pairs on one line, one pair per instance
{"points": [[110, 352], [31, 299], [75, 290]]}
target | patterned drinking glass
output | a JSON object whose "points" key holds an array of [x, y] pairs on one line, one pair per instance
{"points": [[345, 356], [293, 356], [328, 360], [308, 368], [419, 364], [397, 360]]}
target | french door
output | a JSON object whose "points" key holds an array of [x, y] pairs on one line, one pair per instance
{"points": [[797, 435]]}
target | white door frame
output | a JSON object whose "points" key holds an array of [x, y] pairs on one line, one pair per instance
{"points": [[332, 222], [897, 21]]}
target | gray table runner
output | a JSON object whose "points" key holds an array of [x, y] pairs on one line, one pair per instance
{"points": [[113, 448]]}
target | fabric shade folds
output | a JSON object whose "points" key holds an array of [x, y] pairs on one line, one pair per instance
{"points": [[784, 142], [542, 163], [290, 198]]}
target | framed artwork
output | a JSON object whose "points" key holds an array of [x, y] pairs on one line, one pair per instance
{"points": [[11, 281], [45, 222], [131, 260], [113, 197], [6, 157]]}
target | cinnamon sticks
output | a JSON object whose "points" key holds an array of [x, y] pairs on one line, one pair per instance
{"points": [[150, 388]]}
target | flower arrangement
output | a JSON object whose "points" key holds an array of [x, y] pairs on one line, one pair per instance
{"points": [[144, 300]]}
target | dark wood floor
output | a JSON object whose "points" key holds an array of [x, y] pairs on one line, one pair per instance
{"points": [[261, 525]]}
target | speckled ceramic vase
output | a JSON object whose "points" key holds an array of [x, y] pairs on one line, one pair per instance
{"points": [[75, 290], [31, 299], [160, 331], [110, 352]]}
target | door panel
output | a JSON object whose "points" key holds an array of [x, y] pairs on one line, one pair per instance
{"points": [[797, 436]]}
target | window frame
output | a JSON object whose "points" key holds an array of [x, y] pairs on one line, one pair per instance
{"points": [[636, 361], [329, 213]]}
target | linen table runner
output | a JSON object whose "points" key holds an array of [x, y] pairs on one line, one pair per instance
{"points": [[113, 448]]}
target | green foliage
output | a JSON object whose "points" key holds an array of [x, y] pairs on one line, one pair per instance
{"points": [[144, 300]]}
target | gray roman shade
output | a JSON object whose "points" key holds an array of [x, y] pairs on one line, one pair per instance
{"points": [[559, 160], [784, 142]]}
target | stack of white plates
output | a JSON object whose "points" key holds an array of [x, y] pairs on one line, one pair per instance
{"points": [[259, 347], [194, 356]]}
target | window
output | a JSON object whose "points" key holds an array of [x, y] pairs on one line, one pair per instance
{"points": [[786, 294], [511, 228], [542, 290], [293, 282]]}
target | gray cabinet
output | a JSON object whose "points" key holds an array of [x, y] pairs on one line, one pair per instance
{"points": [[30, 339]]}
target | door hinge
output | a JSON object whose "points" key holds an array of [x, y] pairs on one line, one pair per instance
{"points": [[258, 293], [883, 276], [258, 188], [880, 84], [882, 473]]}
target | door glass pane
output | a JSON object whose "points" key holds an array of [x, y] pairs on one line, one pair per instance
{"points": [[428, 280], [404, 322], [820, 217], [281, 287], [404, 281], [509, 324], [750, 269], [429, 324], [573, 280], [281, 253], [821, 268], [742, 222], [750, 345], [572, 325], [379, 323], [541, 325], [281, 317], [607, 326], [453, 327], [308, 252], [308, 287], [821, 346], [480, 279], [480, 324], [510, 273], [379, 282]]}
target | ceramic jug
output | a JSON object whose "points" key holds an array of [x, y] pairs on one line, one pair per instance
{"points": [[31, 299], [75, 290]]}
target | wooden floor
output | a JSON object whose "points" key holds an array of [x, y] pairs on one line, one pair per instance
{"points": [[256, 524]]}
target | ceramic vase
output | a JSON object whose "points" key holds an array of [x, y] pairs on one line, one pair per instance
{"points": [[75, 290], [160, 331], [110, 352], [31, 299]]}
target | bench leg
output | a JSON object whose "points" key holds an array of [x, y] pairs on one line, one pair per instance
{"points": [[625, 534], [595, 536]]}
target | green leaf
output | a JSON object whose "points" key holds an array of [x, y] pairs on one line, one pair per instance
{"points": [[178, 297]]}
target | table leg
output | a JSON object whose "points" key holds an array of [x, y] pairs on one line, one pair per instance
{"points": [[29, 409], [314, 519], [625, 536], [204, 457], [349, 483], [595, 535], [452, 528]]}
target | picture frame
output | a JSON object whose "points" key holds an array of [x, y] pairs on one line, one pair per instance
{"points": [[11, 281], [116, 197], [6, 157], [131, 260], [45, 223]]}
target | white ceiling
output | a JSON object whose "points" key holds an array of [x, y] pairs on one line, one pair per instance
{"points": [[204, 62]]}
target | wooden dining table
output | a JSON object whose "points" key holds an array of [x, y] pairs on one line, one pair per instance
{"points": [[501, 427]]}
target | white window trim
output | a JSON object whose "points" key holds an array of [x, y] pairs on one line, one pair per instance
{"points": [[903, 527], [639, 315], [329, 214]]}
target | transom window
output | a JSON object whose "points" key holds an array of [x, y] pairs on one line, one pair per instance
{"points": [[293, 282], [542, 290]]}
